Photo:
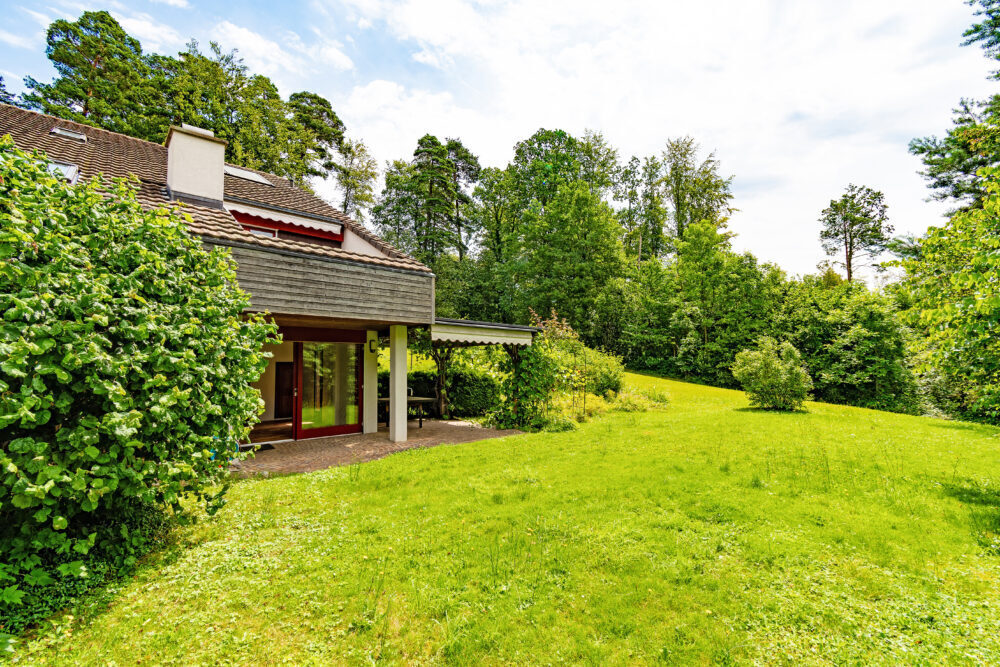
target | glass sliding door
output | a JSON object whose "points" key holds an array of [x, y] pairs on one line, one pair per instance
{"points": [[329, 383]]}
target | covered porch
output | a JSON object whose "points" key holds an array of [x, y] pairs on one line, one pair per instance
{"points": [[322, 381]]}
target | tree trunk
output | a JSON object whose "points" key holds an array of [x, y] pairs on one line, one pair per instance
{"points": [[441, 357]]}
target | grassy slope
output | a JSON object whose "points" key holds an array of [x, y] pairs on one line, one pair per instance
{"points": [[703, 533]]}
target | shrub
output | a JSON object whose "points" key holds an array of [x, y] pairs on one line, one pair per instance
{"points": [[126, 365], [471, 392], [631, 401], [772, 375]]}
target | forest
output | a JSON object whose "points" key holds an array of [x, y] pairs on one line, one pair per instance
{"points": [[634, 252]]}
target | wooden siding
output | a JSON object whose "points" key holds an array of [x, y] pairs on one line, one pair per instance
{"points": [[292, 284]]}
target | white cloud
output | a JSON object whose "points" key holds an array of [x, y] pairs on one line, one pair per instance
{"points": [[798, 99], [262, 55], [330, 54], [154, 36], [18, 41], [180, 4]]}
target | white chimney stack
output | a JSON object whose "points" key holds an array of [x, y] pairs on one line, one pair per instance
{"points": [[195, 161]]}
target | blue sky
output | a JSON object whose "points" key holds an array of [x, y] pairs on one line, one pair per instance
{"points": [[797, 99]]}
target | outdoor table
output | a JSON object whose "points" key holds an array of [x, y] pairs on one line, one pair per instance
{"points": [[419, 401]]}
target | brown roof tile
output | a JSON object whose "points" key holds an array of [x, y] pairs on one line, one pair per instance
{"points": [[116, 155]]}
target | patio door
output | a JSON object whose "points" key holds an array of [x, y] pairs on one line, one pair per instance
{"points": [[328, 400]]}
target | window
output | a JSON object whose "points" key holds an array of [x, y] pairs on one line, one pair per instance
{"points": [[67, 133], [246, 175], [258, 231], [70, 172]]}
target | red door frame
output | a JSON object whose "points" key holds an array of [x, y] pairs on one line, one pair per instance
{"points": [[298, 432]]}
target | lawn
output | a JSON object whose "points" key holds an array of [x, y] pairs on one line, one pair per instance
{"points": [[707, 532]]}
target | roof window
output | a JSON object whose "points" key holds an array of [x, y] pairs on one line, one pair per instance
{"points": [[67, 133], [68, 171], [247, 175]]}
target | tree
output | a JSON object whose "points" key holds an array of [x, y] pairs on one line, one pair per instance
{"points": [[598, 162], [573, 248], [695, 190], [952, 163], [853, 343], [856, 225], [324, 129], [652, 212], [496, 213], [465, 173], [626, 192], [216, 91], [954, 288], [434, 183], [102, 77], [131, 387], [355, 171], [105, 80], [396, 215], [543, 162], [6, 97]]}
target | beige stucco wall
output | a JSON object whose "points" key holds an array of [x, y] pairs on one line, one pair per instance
{"points": [[265, 385], [354, 243], [195, 163]]}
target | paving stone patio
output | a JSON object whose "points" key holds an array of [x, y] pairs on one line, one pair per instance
{"points": [[320, 453]]}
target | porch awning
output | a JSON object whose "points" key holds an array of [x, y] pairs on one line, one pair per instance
{"points": [[449, 332]]}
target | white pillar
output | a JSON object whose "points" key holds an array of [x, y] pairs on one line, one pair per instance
{"points": [[370, 399], [397, 383]]}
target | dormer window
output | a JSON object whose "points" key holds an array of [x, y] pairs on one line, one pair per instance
{"points": [[69, 172], [246, 175], [67, 133]]}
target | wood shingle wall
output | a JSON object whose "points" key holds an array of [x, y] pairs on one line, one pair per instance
{"points": [[292, 284]]}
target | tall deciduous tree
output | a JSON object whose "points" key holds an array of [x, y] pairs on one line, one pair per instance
{"points": [[355, 171], [573, 248], [628, 177], [856, 226], [652, 210], [695, 189], [598, 162], [543, 162], [954, 286]]}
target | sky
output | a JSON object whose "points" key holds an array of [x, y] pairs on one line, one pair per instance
{"points": [[797, 99]]}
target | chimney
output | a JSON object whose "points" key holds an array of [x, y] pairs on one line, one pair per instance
{"points": [[195, 161]]}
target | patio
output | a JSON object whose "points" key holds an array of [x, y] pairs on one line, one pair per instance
{"points": [[295, 456]]}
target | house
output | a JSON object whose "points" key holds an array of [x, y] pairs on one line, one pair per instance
{"points": [[335, 290]]}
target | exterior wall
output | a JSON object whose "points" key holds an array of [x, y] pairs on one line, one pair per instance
{"points": [[265, 384], [293, 284], [354, 243]]}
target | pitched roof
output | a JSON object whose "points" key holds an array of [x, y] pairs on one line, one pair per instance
{"points": [[115, 155]]}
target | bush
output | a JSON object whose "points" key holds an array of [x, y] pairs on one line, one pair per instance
{"points": [[126, 365], [471, 392], [773, 376]]}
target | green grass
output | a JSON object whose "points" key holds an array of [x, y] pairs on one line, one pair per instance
{"points": [[707, 532]]}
